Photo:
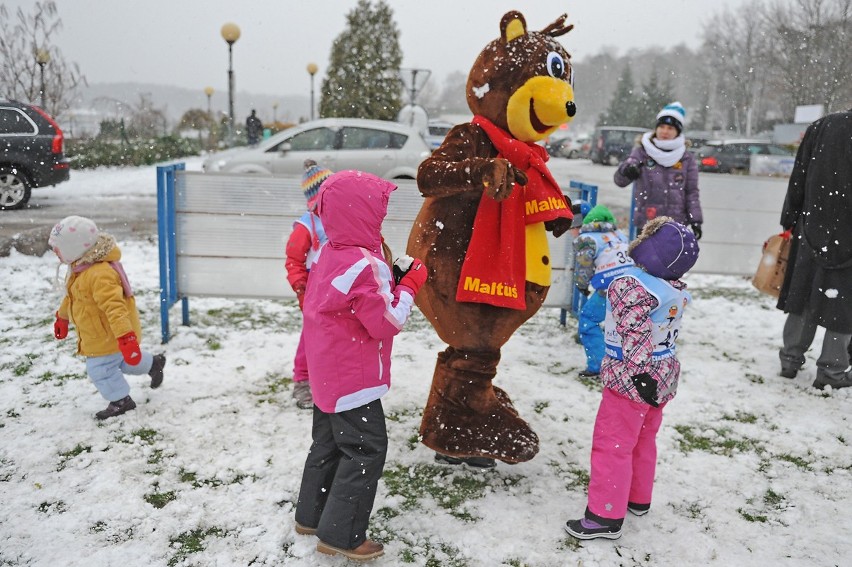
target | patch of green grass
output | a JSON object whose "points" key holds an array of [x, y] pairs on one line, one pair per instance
{"points": [[734, 295], [66, 456], [740, 417], [575, 477], [191, 542], [57, 507], [274, 384], [539, 407], [13, 414], [58, 379], [24, 366], [451, 489], [691, 510], [714, 440], [761, 518], [196, 482], [145, 436], [799, 462], [160, 499]]}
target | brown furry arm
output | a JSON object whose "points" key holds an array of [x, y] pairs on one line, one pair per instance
{"points": [[467, 161]]}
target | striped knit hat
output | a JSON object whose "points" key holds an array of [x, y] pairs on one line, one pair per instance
{"points": [[312, 178], [672, 114]]}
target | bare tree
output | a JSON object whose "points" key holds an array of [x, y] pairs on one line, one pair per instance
{"points": [[739, 46], [810, 52], [22, 38]]}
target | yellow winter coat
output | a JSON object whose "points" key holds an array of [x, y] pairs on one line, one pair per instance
{"points": [[96, 304]]}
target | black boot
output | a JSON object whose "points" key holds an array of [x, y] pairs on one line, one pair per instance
{"points": [[156, 372], [118, 407]]}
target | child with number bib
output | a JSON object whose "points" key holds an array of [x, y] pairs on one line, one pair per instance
{"points": [[600, 255], [640, 374]]}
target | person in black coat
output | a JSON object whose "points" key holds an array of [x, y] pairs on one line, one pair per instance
{"points": [[254, 128], [817, 289]]}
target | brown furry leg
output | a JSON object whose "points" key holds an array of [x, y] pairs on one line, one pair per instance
{"points": [[466, 416]]}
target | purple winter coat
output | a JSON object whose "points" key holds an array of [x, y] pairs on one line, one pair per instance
{"points": [[352, 309], [663, 191]]}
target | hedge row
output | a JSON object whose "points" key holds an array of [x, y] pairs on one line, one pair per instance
{"points": [[86, 154]]}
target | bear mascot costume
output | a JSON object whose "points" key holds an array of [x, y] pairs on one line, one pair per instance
{"points": [[489, 200]]}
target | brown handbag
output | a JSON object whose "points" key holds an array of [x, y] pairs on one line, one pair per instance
{"points": [[769, 276]]}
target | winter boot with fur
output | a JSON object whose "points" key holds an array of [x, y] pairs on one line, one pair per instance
{"points": [[118, 407], [156, 372], [466, 416]]}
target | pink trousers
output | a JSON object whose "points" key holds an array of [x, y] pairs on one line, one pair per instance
{"points": [[624, 455], [300, 362]]}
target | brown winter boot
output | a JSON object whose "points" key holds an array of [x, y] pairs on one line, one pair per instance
{"points": [[466, 416]]}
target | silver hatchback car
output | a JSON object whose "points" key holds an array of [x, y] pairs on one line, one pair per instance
{"points": [[387, 149]]}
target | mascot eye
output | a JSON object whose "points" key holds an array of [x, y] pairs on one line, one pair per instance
{"points": [[555, 65]]}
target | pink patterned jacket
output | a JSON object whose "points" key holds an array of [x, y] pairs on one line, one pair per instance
{"points": [[631, 308]]}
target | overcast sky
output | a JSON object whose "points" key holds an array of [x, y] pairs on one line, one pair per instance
{"points": [[178, 42]]}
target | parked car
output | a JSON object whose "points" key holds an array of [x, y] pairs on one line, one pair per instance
{"points": [[31, 153], [437, 130], [611, 144], [387, 149], [734, 156]]}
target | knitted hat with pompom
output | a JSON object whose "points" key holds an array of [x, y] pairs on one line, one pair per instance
{"points": [[312, 178], [665, 249]]}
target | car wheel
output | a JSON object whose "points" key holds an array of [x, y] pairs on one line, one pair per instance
{"points": [[14, 189], [573, 154]]}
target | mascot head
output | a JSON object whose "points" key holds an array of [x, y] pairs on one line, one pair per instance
{"points": [[523, 81]]}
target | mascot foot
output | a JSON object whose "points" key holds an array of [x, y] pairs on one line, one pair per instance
{"points": [[475, 462], [466, 416]]}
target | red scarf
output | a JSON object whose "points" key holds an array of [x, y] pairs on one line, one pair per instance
{"points": [[494, 269]]}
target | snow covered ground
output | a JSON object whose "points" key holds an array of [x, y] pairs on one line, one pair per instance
{"points": [[754, 469]]}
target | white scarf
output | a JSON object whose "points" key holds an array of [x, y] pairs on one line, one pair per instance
{"points": [[664, 152]]}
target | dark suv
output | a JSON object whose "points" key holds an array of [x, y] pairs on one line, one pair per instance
{"points": [[31, 153], [611, 144], [734, 156]]}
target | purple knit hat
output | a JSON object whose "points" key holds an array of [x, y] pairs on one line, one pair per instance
{"points": [[665, 249]]}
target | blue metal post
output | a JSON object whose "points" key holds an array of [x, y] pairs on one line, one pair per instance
{"points": [[166, 233]]}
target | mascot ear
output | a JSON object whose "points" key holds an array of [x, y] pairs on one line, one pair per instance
{"points": [[512, 26]]}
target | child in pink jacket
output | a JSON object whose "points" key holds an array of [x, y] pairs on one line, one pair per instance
{"points": [[640, 374], [352, 310]]}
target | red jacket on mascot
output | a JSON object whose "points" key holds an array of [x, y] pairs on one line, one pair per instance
{"points": [[489, 200]]}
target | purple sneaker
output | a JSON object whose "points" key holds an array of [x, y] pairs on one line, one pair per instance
{"points": [[118, 407], [585, 528]]}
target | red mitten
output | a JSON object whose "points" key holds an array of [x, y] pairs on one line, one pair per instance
{"points": [[60, 327], [129, 348], [415, 277], [300, 295]]}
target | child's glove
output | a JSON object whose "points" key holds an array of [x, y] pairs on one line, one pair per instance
{"points": [[646, 387], [632, 171], [299, 288], [129, 348], [415, 276], [60, 327], [401, 267]]}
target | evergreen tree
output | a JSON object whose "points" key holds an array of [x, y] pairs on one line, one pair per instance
{"points": [[622, 106], [363, 72], [654, 97]]}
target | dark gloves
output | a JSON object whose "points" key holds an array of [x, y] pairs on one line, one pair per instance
{"points": [[696, 229], [129, 347], [646, 387], [632, 171], [60, 327], [583, 290]]}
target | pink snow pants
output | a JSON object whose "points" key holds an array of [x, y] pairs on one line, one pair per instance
{"points": [[624, 455], [300, 362]]}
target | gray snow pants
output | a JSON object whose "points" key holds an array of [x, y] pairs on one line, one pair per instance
{"points": [[342, 472], [799, 331]]}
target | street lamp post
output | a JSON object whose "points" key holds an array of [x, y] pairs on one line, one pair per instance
{"points": [[275, 114], [312, 70], [209, 92], [230, 33], [42, 58]]}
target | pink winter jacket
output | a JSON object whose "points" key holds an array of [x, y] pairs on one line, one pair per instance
{"points": [[352, 309]]}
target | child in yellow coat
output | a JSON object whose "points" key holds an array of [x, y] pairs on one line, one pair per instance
{"points": [[100, 303]]}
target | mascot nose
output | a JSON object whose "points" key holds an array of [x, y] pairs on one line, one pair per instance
{"points": [[571, 108]]}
